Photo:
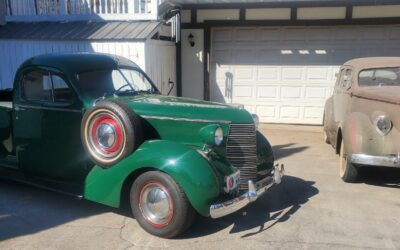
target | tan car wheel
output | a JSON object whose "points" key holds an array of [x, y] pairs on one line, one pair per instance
{"points": [[347, 171], [326, 140]]}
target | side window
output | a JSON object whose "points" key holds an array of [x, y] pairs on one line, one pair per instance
{"points": [[62, 93], [339, 77], [42, 85], [36, 86], [345, 81]]}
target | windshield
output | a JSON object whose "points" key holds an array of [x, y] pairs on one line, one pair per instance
{"points": [[379, 77], [102, 82]]}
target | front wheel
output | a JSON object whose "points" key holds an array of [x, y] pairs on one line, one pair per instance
{"points": [[159, 205], [348, 172]]}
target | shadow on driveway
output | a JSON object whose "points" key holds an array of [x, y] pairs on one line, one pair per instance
{"points": [[285, 150], [379, 176], [26, 210], [277, 205]]}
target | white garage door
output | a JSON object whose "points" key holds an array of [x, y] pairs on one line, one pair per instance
{"points": [[285, 74]]}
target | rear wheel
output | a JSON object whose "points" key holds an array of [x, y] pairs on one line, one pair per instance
{"points": [[348, 172], [159, 205]]}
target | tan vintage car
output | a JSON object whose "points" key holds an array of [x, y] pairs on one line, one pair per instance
{"points": [[362, 117]]}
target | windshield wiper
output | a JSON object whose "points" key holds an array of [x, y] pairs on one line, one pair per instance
{"points": [[149, 91], [126, 92]]}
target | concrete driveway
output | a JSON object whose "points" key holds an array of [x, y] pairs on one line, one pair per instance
{"points": [[311, 209]]}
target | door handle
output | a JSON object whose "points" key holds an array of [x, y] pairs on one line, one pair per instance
{"points": [[18, 108]]}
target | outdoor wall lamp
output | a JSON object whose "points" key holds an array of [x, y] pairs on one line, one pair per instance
{"points": [[191, 40]]}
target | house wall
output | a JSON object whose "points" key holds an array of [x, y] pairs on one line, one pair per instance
{"points": [[15, 52], [161, 64], [279, 58], [192, 64]]}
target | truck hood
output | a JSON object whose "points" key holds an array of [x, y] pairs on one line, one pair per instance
{"points": [[384, 94], [185, 108]]}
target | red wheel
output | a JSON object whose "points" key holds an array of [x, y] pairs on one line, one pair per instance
{"points": [[110, 131], [107, 135]]}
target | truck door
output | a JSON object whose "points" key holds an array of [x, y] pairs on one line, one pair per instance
{"points": [[341, 99], [47, 127]]}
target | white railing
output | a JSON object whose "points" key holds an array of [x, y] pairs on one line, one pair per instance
{"points": [[64, 10]]}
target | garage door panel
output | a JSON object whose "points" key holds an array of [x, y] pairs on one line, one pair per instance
{"points": [[394, 33], [267, 73], [286, 74], [245, 35], [316, 93], [345, 34], [223, 35], [222, 57], [290, 112], [313, 112], [291, 92], [271, 34], [244, 56], [243, 92], [267, 92], [292, 73], [294, 34], [266, 112], [245, 74], [317, 34], [268, 57]]}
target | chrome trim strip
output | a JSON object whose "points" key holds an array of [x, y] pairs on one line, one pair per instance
{"points": [[373, 160], [255, 190], [19, 107], [183, 119]]}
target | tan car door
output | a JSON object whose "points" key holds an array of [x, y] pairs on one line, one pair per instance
{"points": [[342, 97]]}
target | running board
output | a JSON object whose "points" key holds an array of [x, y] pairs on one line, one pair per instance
{"points": [[69, 189]]}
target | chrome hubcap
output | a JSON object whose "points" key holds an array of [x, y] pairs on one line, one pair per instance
{"points": [[155, 205], [106, 135]]}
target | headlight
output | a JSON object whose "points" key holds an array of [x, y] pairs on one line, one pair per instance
{"points": [[212, 134], [383, 124], [218, 136], [256, 120]]}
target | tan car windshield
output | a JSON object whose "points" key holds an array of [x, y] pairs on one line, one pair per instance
{"points": [[379, 77]]}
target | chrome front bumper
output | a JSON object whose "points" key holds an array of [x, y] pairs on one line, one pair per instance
{"points": [[372, 160], [255, 190]]}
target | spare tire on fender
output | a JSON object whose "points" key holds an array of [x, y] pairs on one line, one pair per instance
{"points": [[110, 131]]}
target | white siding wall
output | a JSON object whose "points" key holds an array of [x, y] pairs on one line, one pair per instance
{"points": [[14, 52], [161, 64]]}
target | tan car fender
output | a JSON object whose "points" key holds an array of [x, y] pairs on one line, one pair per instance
{"points": [[359, 134]]}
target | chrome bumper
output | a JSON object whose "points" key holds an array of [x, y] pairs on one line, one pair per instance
{"points": [[255, 190], [372, 160]]}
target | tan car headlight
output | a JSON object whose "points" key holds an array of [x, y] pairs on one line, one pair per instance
{"points": [[383, 124]]}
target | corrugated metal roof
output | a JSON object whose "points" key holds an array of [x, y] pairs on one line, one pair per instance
{"points": [[80, 30]]}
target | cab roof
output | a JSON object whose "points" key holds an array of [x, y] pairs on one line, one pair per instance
{"points": [[79, 62], [359, 64]]}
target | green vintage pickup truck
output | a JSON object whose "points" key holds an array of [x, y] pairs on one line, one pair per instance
{"points": [[95, 126]]}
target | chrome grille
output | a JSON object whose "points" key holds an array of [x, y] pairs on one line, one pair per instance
{"points": [[241, 151]]}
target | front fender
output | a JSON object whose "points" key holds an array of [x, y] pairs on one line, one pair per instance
{"points": [[184, 164], [359, 134], [328, 120], [265, 154]]}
